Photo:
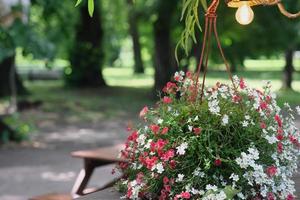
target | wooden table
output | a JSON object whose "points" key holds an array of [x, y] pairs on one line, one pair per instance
{"points": [[107, 194], [92, 159]]}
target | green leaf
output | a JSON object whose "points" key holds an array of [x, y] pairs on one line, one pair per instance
{"points": [[91, 7], [78, 2], [204, 4]]}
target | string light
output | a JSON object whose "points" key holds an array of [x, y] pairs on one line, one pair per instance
{"points": [[244, 14]]}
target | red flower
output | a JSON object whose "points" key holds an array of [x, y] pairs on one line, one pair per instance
{"points": [[129, 192], [263, 125], [143, 112], [168, 188], [170, 88], [165, 130], [133, 136], [167, 100], [185, 195], [271, 171], [263, 105], [197, 131], [155, 128], [218, 162], [242, 84], [280, 136], [270, 196], [139, 177], [165, 180], [150, 162], [278, 120], [236, 98], [188, 74], [280, 147], [290, 197], [172, 164], [168, 155]]}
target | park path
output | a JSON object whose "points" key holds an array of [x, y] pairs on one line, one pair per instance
{"points": [[46, 166]]}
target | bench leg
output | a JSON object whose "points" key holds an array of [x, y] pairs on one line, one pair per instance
{"points": [[83, 178]]}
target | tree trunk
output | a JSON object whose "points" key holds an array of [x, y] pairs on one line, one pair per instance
{"points": [[7, 66], [165, 64], [87, 55], [134, 32], [288, 69]]}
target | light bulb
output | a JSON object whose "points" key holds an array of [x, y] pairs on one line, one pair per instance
{"points": [[244, 14]]}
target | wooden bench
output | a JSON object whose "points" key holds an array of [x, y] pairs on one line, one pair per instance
{"points": [[91, 159]]}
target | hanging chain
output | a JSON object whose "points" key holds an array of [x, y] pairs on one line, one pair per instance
{"points": [[210, 26]]}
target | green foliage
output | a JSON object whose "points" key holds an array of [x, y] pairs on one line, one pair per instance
{"points": [[21, 129], [190, 15]]}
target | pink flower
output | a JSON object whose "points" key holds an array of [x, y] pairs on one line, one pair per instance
{"points": [[263, 105], [165, 130], [168, 155], [270, 196], [129, 192], [167, 188], [290, 197], [165, 180], [271, 171], [143, 112], [185, 195], [218, 162], [280, 147], [242, 84], [172, 164], [263, 125], [139, 178], [170, 88], [278, 120], [280, 136], [236, 98], [133, 136], [155, 128], [150, 162], [167, 100], [197, 131]]}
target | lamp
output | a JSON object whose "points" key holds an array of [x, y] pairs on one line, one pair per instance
{"points": [[245, 15]]}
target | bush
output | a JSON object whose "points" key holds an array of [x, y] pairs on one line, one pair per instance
{"points": [[232, 144]]}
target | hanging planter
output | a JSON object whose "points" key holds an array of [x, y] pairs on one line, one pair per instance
{"points": [[224, 142], [234, 144]]}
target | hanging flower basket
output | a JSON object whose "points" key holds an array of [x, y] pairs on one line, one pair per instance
{"points": [[234, 143]]}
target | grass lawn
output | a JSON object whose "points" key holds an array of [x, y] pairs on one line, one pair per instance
{"points": [[124, 77], [122, 100]]}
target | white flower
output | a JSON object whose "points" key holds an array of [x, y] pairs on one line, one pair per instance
{"points": [[247, 117], [160, 121], [241, 195], [245, 123], [214, 106], [147, 146], [190, 128], [196, 118], [271, 139], [181, 149], [141, 140], [179, 177], [234, 177], [225, 120], [298, 110], [160, 168], [211, 187]]}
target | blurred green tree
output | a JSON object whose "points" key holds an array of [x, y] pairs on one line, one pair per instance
{"points": [[87, 54]]}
